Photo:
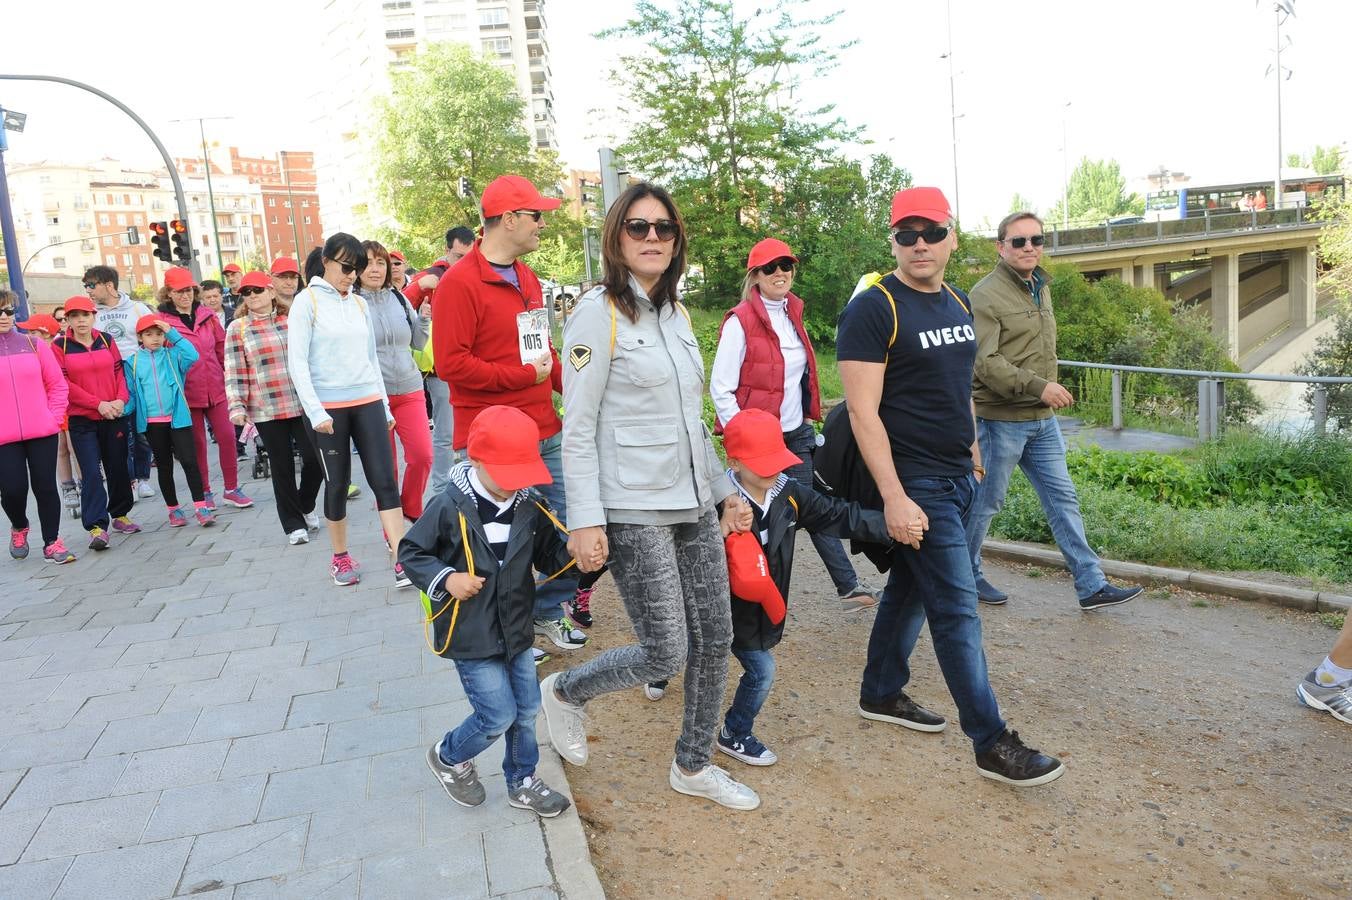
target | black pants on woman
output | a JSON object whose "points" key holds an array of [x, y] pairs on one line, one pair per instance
{"points": [[170, 444], [31, 462], [293, 503], [365, 427]]}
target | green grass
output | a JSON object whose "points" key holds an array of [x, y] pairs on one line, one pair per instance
{"points": [[1334, 620]]}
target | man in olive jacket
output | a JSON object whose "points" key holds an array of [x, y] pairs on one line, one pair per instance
{"points": [[1016, 395]]}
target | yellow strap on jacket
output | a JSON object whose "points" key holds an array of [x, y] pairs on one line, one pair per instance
{"points": [[872, 279]]}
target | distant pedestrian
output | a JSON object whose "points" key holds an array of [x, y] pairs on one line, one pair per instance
{"points": [[1328, 687], [210, 293], [233, 275], [398, 271], [286, 280], [32, 413]]}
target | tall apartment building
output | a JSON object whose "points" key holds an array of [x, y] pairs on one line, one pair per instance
{"points": [[364, 40]]}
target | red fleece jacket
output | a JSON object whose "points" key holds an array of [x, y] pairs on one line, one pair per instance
{"points": [[475, 345], [94, 373]]}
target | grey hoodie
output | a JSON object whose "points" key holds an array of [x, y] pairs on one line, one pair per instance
{"points": [[119, 322], [398, 331]]}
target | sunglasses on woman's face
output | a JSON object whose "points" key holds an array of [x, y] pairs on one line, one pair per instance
{"points": [[6, 310], [778, 265], [638, 229], [251, 292]]}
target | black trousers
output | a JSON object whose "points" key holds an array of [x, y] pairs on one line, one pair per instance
{"points": [[169, 444], [102, 443], [31, 462], [365, 427], [292, 503]]}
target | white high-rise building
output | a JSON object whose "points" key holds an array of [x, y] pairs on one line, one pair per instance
{"points": [[363, 40]]}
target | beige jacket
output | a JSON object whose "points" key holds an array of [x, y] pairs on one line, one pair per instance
{"points": [[1016, 346]]}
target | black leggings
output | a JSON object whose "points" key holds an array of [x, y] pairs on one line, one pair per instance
{"points": [[292, 503], [168, 444], [31, 461], [366, 427]]}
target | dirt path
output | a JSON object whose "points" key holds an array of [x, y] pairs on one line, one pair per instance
{"points": [[1193, 772]]}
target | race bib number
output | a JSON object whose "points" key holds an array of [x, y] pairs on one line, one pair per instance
{"points": [[532, 331]]}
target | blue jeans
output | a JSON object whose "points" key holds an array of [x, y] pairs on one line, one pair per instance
{"points": [[1038, 448], [505, 695], [138, 455], [802, 443], [549, 597], [935, 583], [758, 676]]}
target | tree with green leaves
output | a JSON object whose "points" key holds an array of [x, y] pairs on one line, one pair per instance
{"points": [[1324, 160], [1096, 191], [1020, 203], [1332, 356], [558, 259]]}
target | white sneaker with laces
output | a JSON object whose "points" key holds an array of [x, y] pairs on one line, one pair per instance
{"points": [[299, 536], [144, 491], [566, 723], [312, 521], [714, 784]]}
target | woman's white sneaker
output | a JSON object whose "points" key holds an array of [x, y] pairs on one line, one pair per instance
{"points": [[714, 784], [299, 536], [566, 723]]}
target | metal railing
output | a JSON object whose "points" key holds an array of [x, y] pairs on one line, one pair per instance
{"points": [[1211, 392], [1210, 222]]}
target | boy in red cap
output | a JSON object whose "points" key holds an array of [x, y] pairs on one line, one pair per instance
{"points": [[757, 460], [472, 553]]}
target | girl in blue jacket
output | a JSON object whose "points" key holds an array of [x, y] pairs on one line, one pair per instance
{"points": [[155, 375]]}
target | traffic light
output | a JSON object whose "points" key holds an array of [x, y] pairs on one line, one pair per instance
{"points": [[182, 251], [159, 237]]}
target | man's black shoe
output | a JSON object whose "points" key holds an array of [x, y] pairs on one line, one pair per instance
{"points": [[1013, 763], [989, 593], [905, 712], [1109, 596]]}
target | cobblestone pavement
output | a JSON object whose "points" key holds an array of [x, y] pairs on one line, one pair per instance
{"points": [[201, 711]]}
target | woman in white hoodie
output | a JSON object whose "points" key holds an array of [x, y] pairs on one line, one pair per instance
{"points": [[331, 356]]}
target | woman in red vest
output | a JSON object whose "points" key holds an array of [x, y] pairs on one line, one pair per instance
{"points": [[765, 361]]}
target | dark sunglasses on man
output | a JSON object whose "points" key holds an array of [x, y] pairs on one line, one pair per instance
{"points": [[89, 285], [1018, 243], [535, 214], [932, 235], [638, 229]]}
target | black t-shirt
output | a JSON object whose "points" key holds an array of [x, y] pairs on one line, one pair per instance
{"points": [[927, 385]]}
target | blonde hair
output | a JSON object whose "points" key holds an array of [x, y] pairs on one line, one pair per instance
{"points": [[748, 283]]}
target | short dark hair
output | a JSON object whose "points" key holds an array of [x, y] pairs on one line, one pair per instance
{"points": [[460, 234], [314, 264], [376, 250], [210, 284], [1017, 217], [101, 275], [342, 247]]}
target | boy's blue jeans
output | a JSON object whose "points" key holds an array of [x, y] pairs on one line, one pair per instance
{"points": [[758, 676], [505, 696]]}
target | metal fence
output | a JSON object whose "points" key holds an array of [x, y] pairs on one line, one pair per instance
{"points": [[1281, 410]]}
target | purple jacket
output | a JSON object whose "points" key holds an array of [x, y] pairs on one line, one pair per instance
{"points": [[33, 392]]}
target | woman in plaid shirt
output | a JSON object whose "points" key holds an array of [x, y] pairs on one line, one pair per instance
{"points": [[258, 389]]}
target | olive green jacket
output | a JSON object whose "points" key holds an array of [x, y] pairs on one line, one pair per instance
{"points": [[1016, 346]]}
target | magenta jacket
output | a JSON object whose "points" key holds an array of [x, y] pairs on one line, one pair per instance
{"points": [[206, 378], [33, 392]]}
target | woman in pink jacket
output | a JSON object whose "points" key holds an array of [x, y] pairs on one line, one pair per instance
{"points": [[181, 307], [32, 407]]}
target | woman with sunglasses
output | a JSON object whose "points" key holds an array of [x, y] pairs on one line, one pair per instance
{"points": [[331, 355], [31, 416], [765, 361], [398, 332], [642, 478], [258, 389], [181, 306]]}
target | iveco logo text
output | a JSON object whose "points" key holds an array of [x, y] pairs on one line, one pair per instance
{"points": [[956, 335]]}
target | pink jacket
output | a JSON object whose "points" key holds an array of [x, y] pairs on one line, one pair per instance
{"points": [[33, 392], [206, 378]]}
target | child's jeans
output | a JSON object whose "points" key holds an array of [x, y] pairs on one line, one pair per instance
{"points": [[505, 695], [752, 690]]}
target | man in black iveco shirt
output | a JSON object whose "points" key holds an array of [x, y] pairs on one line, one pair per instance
{"points": [[906, 348]]}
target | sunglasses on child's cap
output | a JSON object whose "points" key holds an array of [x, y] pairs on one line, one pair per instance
{"points": [[1018, 243]]}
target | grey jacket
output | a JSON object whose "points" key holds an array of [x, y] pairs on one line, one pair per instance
{"points": [[634, 440], [399, 331]]}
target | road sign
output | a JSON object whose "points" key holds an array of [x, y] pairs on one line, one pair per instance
{"points": [[14, 121], [133, 235]]}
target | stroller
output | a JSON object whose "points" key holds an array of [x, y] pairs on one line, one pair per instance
{"points": [[262, 466]]}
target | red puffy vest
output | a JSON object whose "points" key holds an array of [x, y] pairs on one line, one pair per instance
{"points": [[761, 382]]}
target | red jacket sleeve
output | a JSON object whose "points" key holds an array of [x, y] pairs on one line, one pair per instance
{"points": [[455, 321], [58, 392]]}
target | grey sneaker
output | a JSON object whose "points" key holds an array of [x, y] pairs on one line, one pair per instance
{"points": [[1332, 699], [861, 598], [461, 781], [714, 784], [566, 723], [538, 797], [562, 633]]}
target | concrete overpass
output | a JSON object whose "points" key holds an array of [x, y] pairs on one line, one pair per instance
{"points": [[1255, 271]]}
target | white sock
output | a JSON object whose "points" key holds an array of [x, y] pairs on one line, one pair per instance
{"points": [[1329, 675]]}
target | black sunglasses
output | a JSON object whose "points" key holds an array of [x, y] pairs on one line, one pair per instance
{"points": [[778, 265], [535, 214], [251, 291], [89, 285], [6, 310], [1019, 242], [932, 235], [638, 229]]}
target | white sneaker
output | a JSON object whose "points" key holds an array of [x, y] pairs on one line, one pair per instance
{"points": [[312, 521], [299, 536], [566, 723], [144, 491], [714, 784]]}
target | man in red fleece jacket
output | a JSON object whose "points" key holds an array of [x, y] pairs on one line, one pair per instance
{"points": [[491, 345]]}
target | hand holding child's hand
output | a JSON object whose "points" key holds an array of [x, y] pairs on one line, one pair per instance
{"points": [[736, 516], [464, 585]]}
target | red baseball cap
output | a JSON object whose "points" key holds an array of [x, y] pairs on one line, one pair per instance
{"points": [[755, 439], [79, 304], [395, 254], [42, 322], [178, 278], [510, 192], [231, 267], [257, 280], [507, 442], [284, 265], [920, 202], [146, 322], [749, 574], [769, 250]]}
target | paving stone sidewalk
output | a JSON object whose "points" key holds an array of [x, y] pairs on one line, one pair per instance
{"points": [[201, 711]]}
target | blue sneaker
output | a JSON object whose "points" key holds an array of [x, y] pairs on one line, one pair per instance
{"points": [[209, 498], [745, 748]]}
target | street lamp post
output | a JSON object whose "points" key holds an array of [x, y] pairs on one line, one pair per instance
{"points": [[286, 177], [1283, 10], [1065, 170], [953, 114], [206, 161]]}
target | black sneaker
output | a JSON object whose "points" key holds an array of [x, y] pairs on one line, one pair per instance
{"points": [[1013, 763], [905, 712], [989, 593], [1109, 596]]}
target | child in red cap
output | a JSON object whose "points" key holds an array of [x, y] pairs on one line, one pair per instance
{"points": [[757, 458], [472, 553]]}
